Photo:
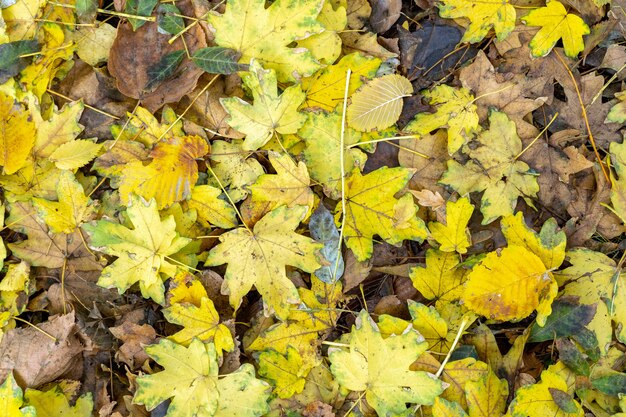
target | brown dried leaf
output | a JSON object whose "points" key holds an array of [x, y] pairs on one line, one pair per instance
{"points": [[133, 53], [134, 337], [37, 358]]}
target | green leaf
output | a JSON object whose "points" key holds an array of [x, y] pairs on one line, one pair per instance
{"points": [[86, 9], [169, 19], [164, 69], [571, 356], [218, 60], [612, 384], [11, 399], [11, 62], [568, 317], [139, 8]]}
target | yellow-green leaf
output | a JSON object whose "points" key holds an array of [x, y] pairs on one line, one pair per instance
{"points": [[556, 24], [487, 396], [377, 105], [287, 372], [142, 252], [11, 401], [483, 15], [54, 403], [380, 368], [190, 379], [201, 322], [266, 34], [259, 258], [212, 210], [548, 244], [494, 169], [455, 111]]}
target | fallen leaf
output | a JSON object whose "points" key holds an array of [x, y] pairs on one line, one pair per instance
{"points": [[483, 15]]}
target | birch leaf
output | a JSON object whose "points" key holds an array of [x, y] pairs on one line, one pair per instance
{"points": [[75, 154]]}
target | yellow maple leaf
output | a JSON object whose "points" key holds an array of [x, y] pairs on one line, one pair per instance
{"points": [[212, 210], [265, 34], [287, 372], [380, 368], [70, 211], [170, 175], [11, 401], [548, 244], [454, 235], [290, 186], [494, 169], [258, 257], [326, 46], [199, 321], [54, 402], [547, 397], [190, 379], [441, 278], [325, 88], [523, 285], [372, 209], [487, 396], [17, 134], [455, 110], [142, 252], [270, 113], [556, 24], [618, 182], [60, 127], [482, 14], [234, 168]]}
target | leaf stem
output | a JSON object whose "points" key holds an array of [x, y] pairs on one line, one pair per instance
{"points": [[456, 340]]}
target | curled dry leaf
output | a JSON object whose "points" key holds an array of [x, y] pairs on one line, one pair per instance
{"points": [[134, 52]]}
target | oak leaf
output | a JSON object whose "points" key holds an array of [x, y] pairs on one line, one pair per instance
{"points": [[483, 15], [556, 24], [265, 34], [372, 209], [494, 169], [380, 368], [455, 110], [142, 252], [190, 379], [258, 257]]}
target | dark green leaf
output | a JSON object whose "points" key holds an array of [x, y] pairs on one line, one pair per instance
{"points": [[565, 401], [323, 229], [139, 8], [568, 317], [163, 69], [589, 343], [10, 62], [611, 384], [218, 60], [86, 9], [572, 356], [169, 19]]}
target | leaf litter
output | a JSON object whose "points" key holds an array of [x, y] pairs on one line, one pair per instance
{"points": [[312, 208]]}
